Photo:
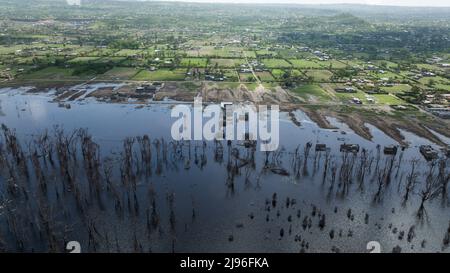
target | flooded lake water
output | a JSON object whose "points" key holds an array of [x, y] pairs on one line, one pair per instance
{"points": [[159, 195]]}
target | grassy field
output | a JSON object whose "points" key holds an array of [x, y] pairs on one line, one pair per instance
{"points": [[111, 60], [333, 64], [347, 97], [270, 85], [386, 75], [5, 50], [119, 73], [387, 99], [55, 73], [265, 76], [103, 52], [354, 63], [128, 52], [437, 81], [312, 93], [83, 60], [397, 88], [276, 63], [319, 75], [277, 73], [82, 50], [190, 86], [265, 52], [231, 75], [226, 63], [289, 54], [383, 64], [228, 52], [160, 75], [193, 62], [444, 87], [251, 86], [430, 67], [37, 59], [302, 64], [210, 51], [246, 77], [296, 73], [250, 54]]}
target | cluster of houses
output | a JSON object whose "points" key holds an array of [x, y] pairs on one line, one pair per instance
{"points": [[345, 90], [442, 112], [321, 55], [255, 64], [438, 61], [210, 77], [350, 90], [438, 105], [417, 75]]}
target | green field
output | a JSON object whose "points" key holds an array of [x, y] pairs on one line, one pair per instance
{"points": [[277, 73], [397, 88], [276, 63], [119, 73], [430, 67], [250, 54], [332, 64], [102, 52], [220, 52], [441, 86], [437, 82], [312, 93], [160, 75], [319, 75], [383, 64], [56, 74], [304, 64], [193, 62], [246, 77], [265, 76], [4, 50], [231, 75], [227, 63], [346, 97], [388, 99], [265, 52], [83, 60], [386, 75], [128, 52]]}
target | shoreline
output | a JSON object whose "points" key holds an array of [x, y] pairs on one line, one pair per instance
{"points": [[356, 117]]}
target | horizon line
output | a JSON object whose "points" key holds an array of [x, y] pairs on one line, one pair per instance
{"points": [[272, 2]]}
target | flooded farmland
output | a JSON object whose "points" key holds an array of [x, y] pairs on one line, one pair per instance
{"points": [[110, 177]]}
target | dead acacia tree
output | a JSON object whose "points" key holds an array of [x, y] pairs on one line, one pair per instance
{"points": [[127, 172], [444, 179], [361, 169], [326, 166], [218, 151], [411, 181], [306, 152], [431, 189], [145, 148]]}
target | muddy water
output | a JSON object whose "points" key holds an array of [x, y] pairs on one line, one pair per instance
{"points": [[206, 213]]}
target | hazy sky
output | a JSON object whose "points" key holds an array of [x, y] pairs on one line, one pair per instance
{"points": [[371, 2]]}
